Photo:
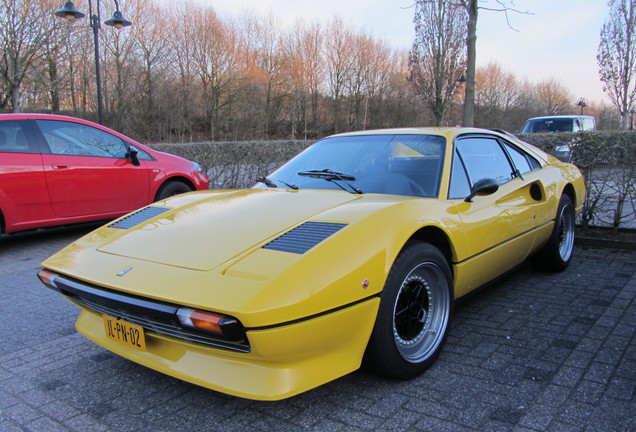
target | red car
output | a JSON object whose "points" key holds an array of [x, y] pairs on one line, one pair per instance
{"points": [[57, 170]]}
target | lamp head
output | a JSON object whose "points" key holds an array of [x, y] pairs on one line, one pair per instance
{"points": [[117, 20], [69, 12]]}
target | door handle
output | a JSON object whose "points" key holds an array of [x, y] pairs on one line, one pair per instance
{"points": [[59, 167]]}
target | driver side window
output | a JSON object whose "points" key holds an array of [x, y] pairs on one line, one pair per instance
{"points": [[75, 139], [484, 158], [477, 158]]}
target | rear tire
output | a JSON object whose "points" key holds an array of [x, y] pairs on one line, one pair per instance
{"points": [[557, 253], [414, 314], [172, 188]]}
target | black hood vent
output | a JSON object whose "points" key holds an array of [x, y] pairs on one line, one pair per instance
{"points": [[138, 217], [304, 237]]}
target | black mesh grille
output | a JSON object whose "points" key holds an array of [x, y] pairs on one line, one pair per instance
{"points": [[304, 237], [139, 217]]}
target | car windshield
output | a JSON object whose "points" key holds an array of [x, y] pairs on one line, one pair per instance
{"points": [[398, 164], [548, 125]]}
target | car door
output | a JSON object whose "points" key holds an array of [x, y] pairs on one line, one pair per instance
{"points": [[88, 172], [499, 228], [23, 190]]}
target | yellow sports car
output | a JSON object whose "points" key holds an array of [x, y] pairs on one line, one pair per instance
{"points": [[354, 251]]}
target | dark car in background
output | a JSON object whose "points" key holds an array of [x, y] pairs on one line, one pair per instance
{"points": [[559, 124], [564, 123], [57, 170]]}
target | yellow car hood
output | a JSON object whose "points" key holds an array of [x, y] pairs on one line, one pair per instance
{"points": [[224, 225]]}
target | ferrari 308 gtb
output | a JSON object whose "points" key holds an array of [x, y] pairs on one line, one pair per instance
{"points": [[353, 252]]}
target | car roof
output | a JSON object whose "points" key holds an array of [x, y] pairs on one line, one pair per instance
{"points": [[446, 131], [559, 117], [22, 116]]}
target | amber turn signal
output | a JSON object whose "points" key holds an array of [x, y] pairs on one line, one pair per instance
{"points": [[47, 277], [200, 320], [227, 327]]}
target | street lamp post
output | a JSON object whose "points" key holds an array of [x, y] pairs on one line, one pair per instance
{"points": [[582, 104], [70, 13]]}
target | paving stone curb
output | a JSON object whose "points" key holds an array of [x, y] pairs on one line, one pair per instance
{"points": [[584, 239]]}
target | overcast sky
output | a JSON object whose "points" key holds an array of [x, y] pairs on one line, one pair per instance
{"points": [[558, 40]]}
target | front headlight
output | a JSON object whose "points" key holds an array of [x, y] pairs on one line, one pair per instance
{"points": [[197, 167]]}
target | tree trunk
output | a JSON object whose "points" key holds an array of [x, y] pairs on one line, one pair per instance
{"points": [[54, 91], [16, 99], [471, 52]]}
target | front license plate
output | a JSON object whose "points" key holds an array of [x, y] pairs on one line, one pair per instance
{"points": [[124, 332]]}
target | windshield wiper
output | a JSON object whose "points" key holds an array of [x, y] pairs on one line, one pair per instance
{"points": [[289, 185], [330, 175], [269, 183]]}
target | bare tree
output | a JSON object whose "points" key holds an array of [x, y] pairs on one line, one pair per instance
{"points": [[437, 58], [24, 30], [215, 57], [54, 77], [152, 51], [370, 56], [339, 57], [380, 63], [120, 67], [552, 97], [306, 69], [214, 78], [497, 94], [182, 44], [266, 59], [617, 56], [394, 103], [81, 73], [471, 7]]}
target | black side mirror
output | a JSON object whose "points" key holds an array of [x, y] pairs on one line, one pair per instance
{"points": [[132, 155], [487, 186]]}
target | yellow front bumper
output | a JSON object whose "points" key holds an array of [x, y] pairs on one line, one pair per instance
{"points": [[284, 361]]}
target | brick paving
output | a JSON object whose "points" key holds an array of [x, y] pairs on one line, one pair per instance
{"points": [[532, 352]]}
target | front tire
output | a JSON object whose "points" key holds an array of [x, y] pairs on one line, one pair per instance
{"points": [[414, 315], [557, 253], [172, 188]]}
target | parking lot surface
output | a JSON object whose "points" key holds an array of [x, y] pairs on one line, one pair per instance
{"points": [[532, 352]]}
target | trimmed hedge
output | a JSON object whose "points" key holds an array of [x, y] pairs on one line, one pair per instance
{"points": [[608, 163], [234, 165], [607, 160], [590, 149]]}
